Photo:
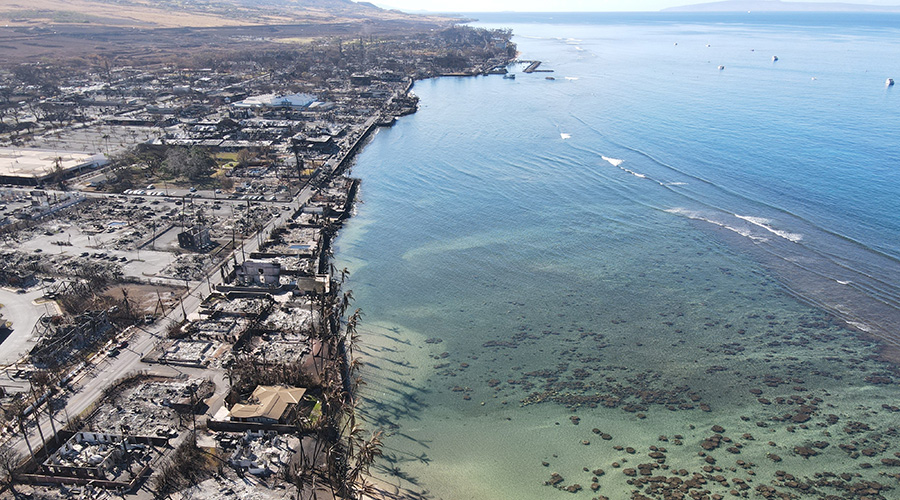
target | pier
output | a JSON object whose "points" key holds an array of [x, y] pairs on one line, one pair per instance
{"points": [[533, 67]]}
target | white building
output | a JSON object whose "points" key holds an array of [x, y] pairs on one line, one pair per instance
{"points": [[292, 101]]}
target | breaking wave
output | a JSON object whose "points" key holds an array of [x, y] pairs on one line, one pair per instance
{"points": [[690, 214], [765, 224], [612, 161]]}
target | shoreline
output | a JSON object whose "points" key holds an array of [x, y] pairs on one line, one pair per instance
{"points": [[786, 442], [376, 488], [361, 104]]}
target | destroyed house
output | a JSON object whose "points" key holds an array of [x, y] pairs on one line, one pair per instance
{"points": [[259, 273], [321, 143], [195, 238]]}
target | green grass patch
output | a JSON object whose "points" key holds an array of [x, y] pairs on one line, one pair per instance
{"points": [[226, 156], [59, 16]]}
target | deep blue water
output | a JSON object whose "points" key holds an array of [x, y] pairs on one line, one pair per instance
{"points": [[806, 142], [643, 239]]}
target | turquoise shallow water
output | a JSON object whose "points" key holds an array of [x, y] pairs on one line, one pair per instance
{"points": [[648, 244]]}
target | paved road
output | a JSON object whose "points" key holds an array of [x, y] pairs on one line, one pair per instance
{"points": [[88, 386]]}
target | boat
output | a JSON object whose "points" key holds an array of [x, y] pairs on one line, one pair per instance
{"points": [[889, 82], [510, 76], [721, 68], [774, 58], [549, 78]]}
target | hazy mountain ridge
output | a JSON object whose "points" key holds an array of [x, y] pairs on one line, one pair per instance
{"points": [[779, 6], [194, 13]]}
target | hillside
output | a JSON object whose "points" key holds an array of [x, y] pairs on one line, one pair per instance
{"points": [[190, 13], [779, 6]]}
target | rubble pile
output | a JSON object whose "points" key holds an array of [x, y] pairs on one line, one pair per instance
{"points": [[147, 408]]}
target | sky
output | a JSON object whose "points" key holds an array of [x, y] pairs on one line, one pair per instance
{"points": [[560, 5]]}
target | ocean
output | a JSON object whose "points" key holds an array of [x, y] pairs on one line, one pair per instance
{"points": [[672, 262]]}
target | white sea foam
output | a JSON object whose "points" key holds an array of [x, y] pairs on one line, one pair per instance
{"points": [[632, 172], [860, 326], [689, 214], [765, 224], [573, 78], [675, 184], [843, 282], [612, 161], [565, 136]]}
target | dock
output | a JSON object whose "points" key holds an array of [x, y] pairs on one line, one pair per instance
{"points": [[532, 67]]}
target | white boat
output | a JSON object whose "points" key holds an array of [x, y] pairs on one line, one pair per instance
{"points": [[510, 76]]}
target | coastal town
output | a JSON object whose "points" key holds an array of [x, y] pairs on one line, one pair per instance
{"points": [[329, 250], [171, 314]]}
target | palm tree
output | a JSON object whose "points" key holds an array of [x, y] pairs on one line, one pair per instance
{"points": [[10, 459], [368, 450]]}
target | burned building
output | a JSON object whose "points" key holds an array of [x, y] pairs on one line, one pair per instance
{"points": [[196, 238], [105, 460], [258, 273], [61, 336]]}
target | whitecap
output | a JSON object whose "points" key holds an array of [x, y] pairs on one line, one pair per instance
{"points": [[571, 78], [612, 161], [689, 214], [565, 136], [860, 326], [765, 224]]}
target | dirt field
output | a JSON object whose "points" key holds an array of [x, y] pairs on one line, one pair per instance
{"points": [[156, 46], [148, 299], [175, 13]]}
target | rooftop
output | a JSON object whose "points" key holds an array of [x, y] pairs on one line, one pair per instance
{"points": [[272, 402], [22, 162]]}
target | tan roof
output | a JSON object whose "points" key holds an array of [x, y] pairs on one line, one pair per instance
{"points": [[24, 162], [272, 402]]}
